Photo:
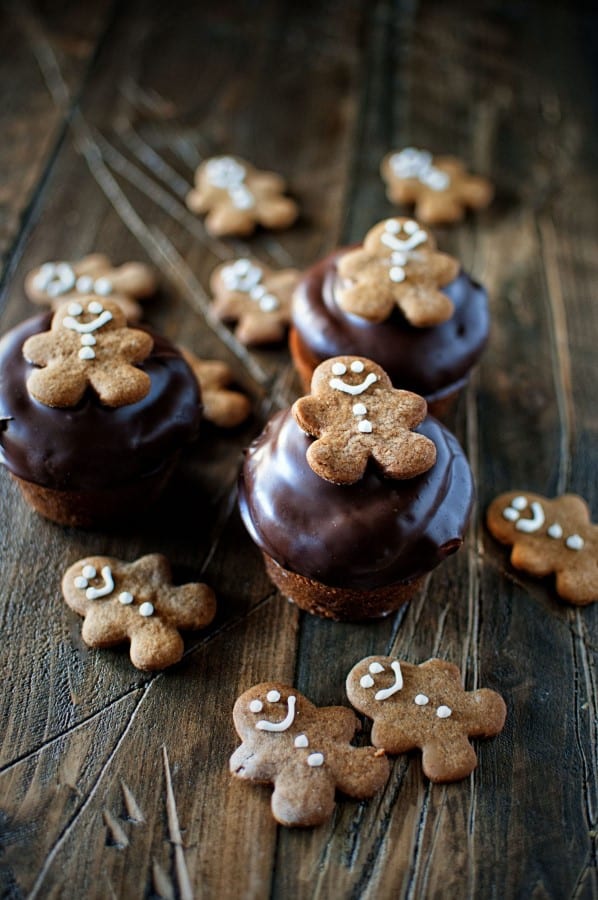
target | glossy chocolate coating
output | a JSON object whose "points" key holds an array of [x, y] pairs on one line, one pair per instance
{"points": [[362, 536], [425, 360], [91, 446]]}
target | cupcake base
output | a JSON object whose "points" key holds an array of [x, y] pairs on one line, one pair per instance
{"points": [[340, 604], [440, 404], [91, 509]]}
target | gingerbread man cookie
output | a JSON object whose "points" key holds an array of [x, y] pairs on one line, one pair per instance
{"points": [[550, 536], [426, 707], [257, 298], [221, 407], [54, 282], [304, 751], [237, 197], [357, 415], [137, 602], [439, 186], [398, 265], [88, 344]]}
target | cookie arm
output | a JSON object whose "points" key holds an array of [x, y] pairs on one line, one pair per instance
{"points": [[484, 713], [360, 772], [250, 765], [188, 606]]}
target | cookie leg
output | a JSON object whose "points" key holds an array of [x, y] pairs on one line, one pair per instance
{"points": [[307, 799], [448, 761]]}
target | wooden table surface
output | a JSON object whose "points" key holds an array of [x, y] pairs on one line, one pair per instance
{"points": [[114, 783]]}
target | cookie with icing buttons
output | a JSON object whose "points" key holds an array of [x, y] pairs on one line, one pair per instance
{"points": [[93, 413], [425, 707], [136, 602], [88, 345], [440, 187], [304, 751], [354, 494], [256, 298], [236, 197], [550, 537], [55, 282], [221, 406], [356, 415], [398, 265]]}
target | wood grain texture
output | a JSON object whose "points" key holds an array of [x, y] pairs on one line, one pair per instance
{"points": [[114, 783]]}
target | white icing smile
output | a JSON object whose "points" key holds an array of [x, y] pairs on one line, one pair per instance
{"points": [[226, 173], [413, 163], [396, 686], [265, 725], [245, 277], [338, 384]]}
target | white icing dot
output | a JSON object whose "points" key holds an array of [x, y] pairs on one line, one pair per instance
{"points": [[256, 706], [315, 759], [88, 340], [84, 286], [338, 368], [575, 542], [95, 307], [511, 514], [257, 292], [376, 668], [146, 609], [103, 287], [273, 696], [359, 409], [268, 303], [242, 265], [410, 227], [357, 366], [421, 699], [75, 309], [519, 503], [81, 582], [301, 741], [443, 712], [437, 180], [366, 681], [125, 597], [89, 572], [555, 531], [392, 226], [365, 426], [396, 274], [86, 353]]}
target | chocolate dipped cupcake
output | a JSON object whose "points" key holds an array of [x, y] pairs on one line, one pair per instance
{"points": [[354, 494], [93, 414], [398, 301]]}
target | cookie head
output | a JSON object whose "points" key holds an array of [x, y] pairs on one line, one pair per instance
{"points": [[398, 237], [89, 344], [357, 415], [270, 708]]}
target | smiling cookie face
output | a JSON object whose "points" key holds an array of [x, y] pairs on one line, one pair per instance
{"points": [[357, 415], [398, 266], [304, 751], [425, 706]]}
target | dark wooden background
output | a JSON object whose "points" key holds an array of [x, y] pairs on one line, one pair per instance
{"points": [[114, 783]]}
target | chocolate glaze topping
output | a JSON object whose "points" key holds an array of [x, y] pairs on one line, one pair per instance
{"points": [[428, 361], [92, 446], [365, 535]]}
